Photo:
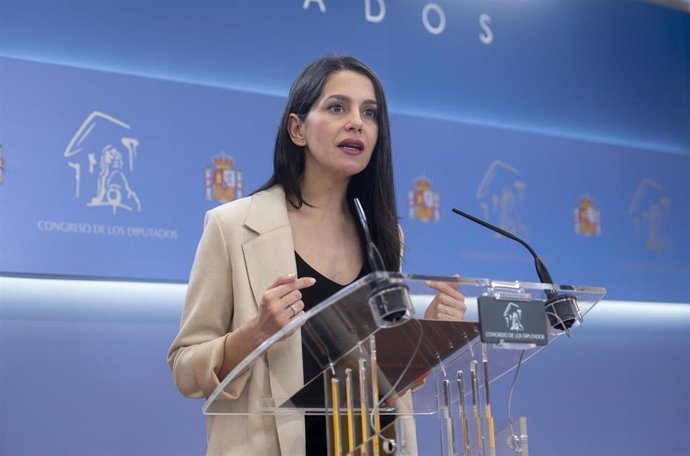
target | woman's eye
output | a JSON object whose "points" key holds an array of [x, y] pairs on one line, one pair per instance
{"points": [[336, 108], [371, 113]]}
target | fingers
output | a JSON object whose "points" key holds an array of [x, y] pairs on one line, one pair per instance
{"points": [[282, 302], [295, 309], [447, 309], [444, 313], [287, 288], [282, 279], [289, 304], [448, 304], [449, 288]]}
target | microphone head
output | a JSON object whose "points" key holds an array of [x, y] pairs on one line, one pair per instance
{"points": [[390, 303], [563, 312]]}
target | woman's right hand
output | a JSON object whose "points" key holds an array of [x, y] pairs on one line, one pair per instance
{"points": [[280, 303]]}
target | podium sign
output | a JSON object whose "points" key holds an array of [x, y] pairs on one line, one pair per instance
{"points": [[506, 321]]}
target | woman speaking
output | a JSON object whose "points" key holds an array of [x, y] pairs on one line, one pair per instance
{"points": [[265, 259]]}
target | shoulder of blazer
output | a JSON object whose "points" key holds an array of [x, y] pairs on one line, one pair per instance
{"points": [[261, 212]]}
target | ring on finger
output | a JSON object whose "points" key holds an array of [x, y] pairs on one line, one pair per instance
{"points": [[294, 311]]}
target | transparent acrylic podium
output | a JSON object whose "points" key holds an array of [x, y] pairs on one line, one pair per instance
{"points": [[381, 375]]}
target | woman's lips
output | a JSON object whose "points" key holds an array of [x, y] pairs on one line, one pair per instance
{"points": [[352, 146]]}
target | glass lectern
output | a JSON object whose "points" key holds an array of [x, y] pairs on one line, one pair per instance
{"points": [[373, 368]]}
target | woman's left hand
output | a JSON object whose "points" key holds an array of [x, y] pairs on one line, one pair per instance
{"points": [[448, 304]]}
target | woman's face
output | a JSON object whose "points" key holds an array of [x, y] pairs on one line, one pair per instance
{"points": [[340, 131]]}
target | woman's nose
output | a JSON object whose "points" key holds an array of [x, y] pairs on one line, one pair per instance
{"points": [[355, 121]]}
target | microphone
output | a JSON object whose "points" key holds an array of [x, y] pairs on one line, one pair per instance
{"points": [[373, 254], [390, 302], [562, 310]]}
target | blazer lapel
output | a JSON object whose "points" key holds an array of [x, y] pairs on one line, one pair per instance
{"points": [[268, 255], [271, 252]]}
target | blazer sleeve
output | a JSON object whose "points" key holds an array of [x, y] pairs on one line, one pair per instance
{"points": [[196, 355]]}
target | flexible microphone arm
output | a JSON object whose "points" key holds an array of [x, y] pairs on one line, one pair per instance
{"points": [[562, 310], [542, 272], [373, 255], [389, 301]]}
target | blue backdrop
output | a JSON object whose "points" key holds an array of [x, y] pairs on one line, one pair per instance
{"points": [[108, 175]]}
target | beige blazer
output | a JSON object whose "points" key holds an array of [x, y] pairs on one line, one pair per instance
{"points": [[245, 245]]}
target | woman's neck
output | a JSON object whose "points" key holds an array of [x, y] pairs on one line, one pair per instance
{"points": [[324, 232], [326, 197]]}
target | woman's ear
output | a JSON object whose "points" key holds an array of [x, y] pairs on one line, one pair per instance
{"points": [[296, 131]]}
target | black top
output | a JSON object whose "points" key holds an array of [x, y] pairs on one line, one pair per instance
{"points": [[315, 426]]}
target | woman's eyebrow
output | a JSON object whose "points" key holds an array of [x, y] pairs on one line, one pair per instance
{"points": [[345, 98]]}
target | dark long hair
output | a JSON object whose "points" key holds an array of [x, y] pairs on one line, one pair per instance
{"points": [[373, 186]]}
